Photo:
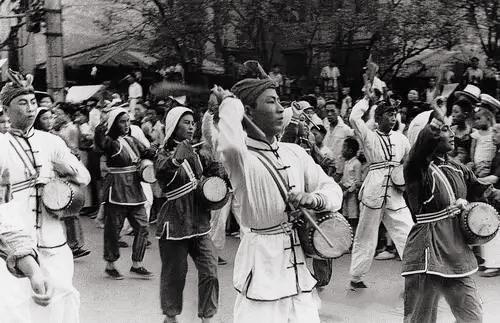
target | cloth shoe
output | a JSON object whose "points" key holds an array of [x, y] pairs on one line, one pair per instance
{"points": [[141, 271], [385, 255], [356, 285], [114, 274], [80, 252], [170, 319], [221, 261]]}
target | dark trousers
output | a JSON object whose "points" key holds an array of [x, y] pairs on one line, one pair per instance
{"points": [[114, 216], [323, 271], [422, 293], [174, 268], [74, 232]]}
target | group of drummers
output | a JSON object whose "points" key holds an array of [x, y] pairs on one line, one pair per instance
{"points": [[252, 158]]}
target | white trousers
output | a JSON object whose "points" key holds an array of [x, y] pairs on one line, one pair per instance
{"points": [[398, 224], [16, 304], [296, 309], [490, 252]]}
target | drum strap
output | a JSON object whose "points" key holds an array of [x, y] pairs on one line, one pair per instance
{"points": [[442, 177], [275, 174], [384, 164]]}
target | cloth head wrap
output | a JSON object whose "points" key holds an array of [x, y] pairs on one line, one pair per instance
{"points": [[18, 86], [112, 117], [248, 90], [172, 119]]}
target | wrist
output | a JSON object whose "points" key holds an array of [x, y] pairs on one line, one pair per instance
{"points": [[28, 266]]}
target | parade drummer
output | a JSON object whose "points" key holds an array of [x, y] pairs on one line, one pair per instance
{"points": [[270, 273], [380, 199], [122, 192], [437, 261], [33, 158], [184, 219]]}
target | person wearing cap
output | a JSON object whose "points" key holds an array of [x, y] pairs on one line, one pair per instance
{"points": [[437, 260], [32, 159], [380, 199], [270, 273], [184, 219], [123, 194]]}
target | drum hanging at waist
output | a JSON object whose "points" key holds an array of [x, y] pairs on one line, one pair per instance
{"points": [[147, 171], [336, 228], [214, 192], [479, 223], [62, 198]]}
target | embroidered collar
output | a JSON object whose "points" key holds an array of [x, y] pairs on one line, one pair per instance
{"points": [[20, 133], [262, 145], [383, 133], [440, 160]]}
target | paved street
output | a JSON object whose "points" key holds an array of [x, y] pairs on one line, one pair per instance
{"points": [[134, 300]]}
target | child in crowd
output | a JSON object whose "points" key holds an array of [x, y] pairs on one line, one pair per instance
{"points": [[4, 121], [319, 133], [482, 148], [351, 181]]}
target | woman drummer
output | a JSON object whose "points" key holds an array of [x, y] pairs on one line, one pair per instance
{"points": [[123, 193], [184, 220], [436, 260]]}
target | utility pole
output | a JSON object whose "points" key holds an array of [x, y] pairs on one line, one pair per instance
{"points": [[54, 64]]}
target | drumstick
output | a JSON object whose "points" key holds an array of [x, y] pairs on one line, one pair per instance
{"points": [[315, 225], [198, 144], [310, 120]]}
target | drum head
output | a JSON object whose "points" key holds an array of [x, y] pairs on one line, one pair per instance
{"points": [[57, 195], [214, 189], [397, 176], [483, 219], [148, 174], [338, 230]]}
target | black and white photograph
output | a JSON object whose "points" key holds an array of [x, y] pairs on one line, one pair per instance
{"points": [[249, 161]]}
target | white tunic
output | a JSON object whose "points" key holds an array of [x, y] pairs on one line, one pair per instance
{"points": [[379, 149], [45, 153], [266, 266]]}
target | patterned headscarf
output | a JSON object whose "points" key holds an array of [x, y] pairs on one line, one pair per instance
{"points": [[248, 90], [19, 85]]}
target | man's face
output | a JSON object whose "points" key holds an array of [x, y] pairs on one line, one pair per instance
{"points": [[446, 140], [387, 121], [432, 82], [474, 63], [331, 114], [268, 113], [22, 111], [481, 121], [276, 69], [139, 111], [46, 102]]}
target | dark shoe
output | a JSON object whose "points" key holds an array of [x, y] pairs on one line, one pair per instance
{"points": [[114, 274], [122, 244], [170, 319], [490, 272], [141, 271], [78, 253], [221, 261], [356, 285], [148, 243]]}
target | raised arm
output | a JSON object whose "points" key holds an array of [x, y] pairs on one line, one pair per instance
{"points": [[231, 139], [356, 119]]}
